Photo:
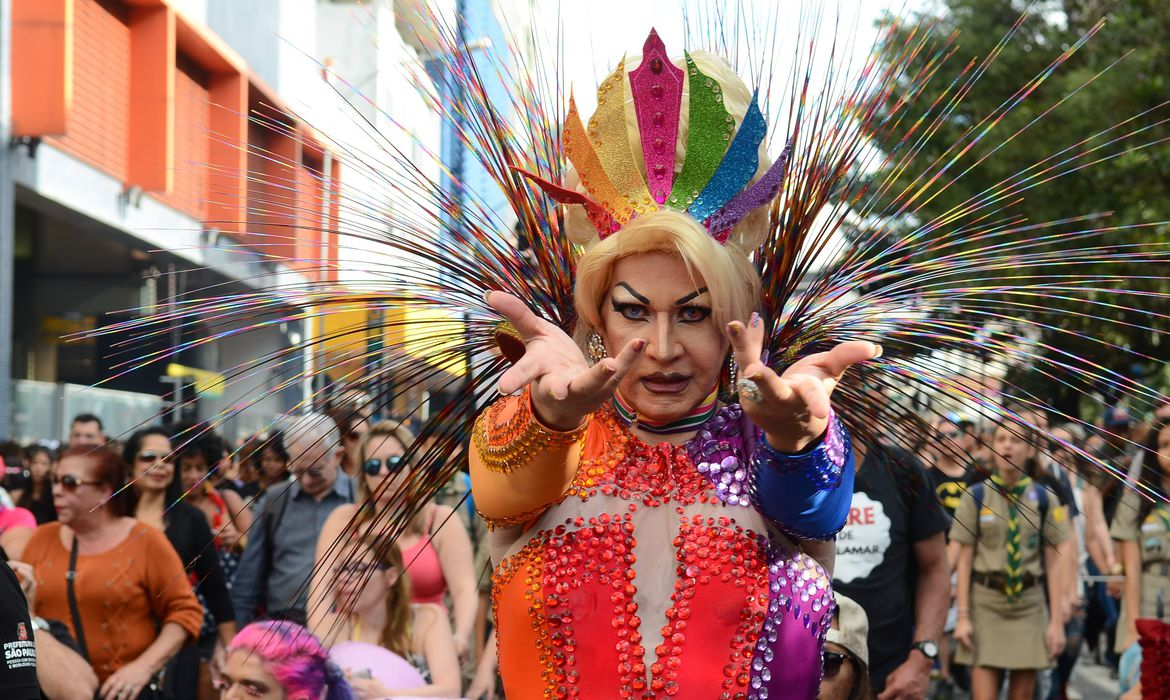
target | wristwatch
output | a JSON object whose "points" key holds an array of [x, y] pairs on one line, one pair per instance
{"points": [[40, 624], [928, 648]]}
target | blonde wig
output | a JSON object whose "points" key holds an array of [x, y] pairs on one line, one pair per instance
{"points": [[728, 275]]}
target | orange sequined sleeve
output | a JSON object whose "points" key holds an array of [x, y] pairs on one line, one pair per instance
{"points": [[518, 466]]}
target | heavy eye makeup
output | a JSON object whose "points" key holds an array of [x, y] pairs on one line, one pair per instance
{"points": [[637, 308]]}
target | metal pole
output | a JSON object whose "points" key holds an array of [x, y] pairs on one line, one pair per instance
{"points": [[6, 220]]}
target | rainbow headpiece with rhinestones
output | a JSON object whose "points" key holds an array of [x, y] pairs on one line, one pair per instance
{"points": [[712, 184]]}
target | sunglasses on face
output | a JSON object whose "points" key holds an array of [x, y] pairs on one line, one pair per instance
{"points": [[952, 435], [70, 482], [832, 662], [394, 464], [150, 456], [359, 568]]}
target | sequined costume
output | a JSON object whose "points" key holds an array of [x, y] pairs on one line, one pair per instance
{"points": [[657, 573]]}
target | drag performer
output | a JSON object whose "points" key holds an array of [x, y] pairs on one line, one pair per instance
{"points": [[650, 539]]}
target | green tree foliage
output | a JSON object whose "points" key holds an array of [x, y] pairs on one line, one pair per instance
{"points": [[1118, 77]]}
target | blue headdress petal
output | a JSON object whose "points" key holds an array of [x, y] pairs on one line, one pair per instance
{"points": [[763, 191]]}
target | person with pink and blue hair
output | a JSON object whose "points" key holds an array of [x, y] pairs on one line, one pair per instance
{"points": [[281, 660]]}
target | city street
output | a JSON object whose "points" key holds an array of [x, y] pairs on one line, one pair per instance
{"points": [[1093, 682], [538, 348]]}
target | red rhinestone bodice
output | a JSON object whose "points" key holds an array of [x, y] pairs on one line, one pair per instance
{"points": [[641, 582]]}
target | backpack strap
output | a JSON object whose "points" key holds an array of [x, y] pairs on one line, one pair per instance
{"points": [[74, 611], [978, 491], [1042, 509]]}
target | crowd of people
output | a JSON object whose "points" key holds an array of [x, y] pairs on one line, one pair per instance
{"points": [[992, 558], [983, 561], [146, 560]]}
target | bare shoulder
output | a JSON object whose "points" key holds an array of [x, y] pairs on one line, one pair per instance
{"points": [[232, 499], [337, 521], [443, 513], [447, 524], [341, 514], [428, 615]]}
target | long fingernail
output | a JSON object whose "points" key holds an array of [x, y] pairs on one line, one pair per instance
{"points": [[879, 352], [553, 394], [639, 345], [487, 293], [755, 319], [608, 368], [733, 330]]}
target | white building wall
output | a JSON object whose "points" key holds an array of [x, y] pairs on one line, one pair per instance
{"points": [[382, 81]]}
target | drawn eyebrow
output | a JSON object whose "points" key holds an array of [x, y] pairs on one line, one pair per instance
{"points": [[692, 295], [630, 289]]}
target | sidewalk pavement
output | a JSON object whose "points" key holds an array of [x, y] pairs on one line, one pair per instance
{"points": [[1093, 681]]}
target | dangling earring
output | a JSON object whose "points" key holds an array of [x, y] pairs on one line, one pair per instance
{"points": [[731, 374], [595, 348]]}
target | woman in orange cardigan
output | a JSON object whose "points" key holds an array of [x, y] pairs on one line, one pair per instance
{"points": [[133, 597]]}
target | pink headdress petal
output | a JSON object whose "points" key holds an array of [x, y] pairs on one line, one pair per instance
{"points": [[657, 87], [602, 221]]}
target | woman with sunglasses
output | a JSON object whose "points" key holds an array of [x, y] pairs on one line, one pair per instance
{"points": [[369, 602], [157, 487], [134, 605], [435, 545]]}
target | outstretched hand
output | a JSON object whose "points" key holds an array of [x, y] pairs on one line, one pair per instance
{"points": [[794, 406], [565, 388]]}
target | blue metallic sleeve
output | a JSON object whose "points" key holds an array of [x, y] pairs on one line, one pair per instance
{"points": [[807, 494]]}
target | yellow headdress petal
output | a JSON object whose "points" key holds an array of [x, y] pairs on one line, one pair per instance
{"points": [[611, 138], [580, 151]]}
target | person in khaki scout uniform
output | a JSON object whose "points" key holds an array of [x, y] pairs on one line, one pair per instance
{"points": [[1142, 527], [1004, 622]]}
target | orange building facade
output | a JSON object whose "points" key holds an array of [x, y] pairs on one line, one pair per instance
{"points": [[134, 89], [155, 163]]}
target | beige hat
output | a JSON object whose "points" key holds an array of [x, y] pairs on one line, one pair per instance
{"points": [[852, 628]]}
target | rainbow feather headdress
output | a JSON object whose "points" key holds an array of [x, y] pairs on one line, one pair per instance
{"points": [[713, 182]]}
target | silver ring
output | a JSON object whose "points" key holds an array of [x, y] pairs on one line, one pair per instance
{"points": [[748, 389]]}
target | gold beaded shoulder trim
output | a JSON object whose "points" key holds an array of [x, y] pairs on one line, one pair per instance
{"points": [[511, 520], [505, 446]]}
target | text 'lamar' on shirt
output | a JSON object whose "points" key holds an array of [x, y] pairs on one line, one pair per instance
{"points": [[894, 507]]}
